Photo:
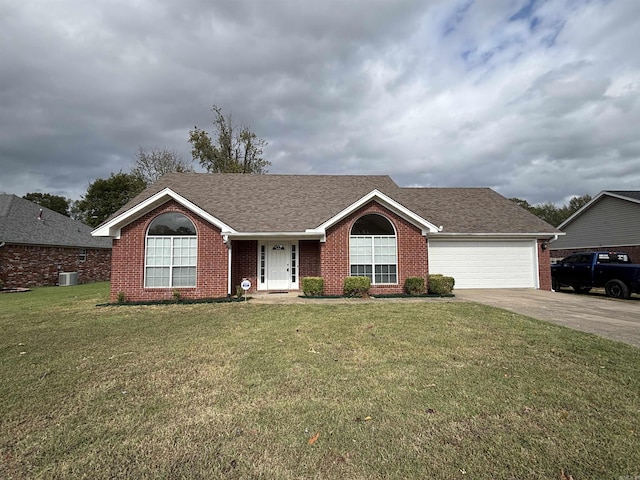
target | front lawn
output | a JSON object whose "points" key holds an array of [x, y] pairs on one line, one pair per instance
{"points": [[374, 390]]}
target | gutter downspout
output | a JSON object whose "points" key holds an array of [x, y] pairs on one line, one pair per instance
{"points": [[227, 242]]}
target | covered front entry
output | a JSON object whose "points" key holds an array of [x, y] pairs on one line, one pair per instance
{"points": [[278, 265]]}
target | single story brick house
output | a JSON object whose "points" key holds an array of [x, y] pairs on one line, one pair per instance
{"points": [[37, 244], [610, 221], [204, 233]]}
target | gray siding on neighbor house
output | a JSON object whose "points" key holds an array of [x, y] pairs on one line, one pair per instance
{"points": [[609, 222]]}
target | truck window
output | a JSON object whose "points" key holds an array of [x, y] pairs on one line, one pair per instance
{"points": [[571, 259], [613, 257]]}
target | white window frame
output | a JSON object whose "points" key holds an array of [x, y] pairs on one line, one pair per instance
{"points": [[372, 238], [172, 259]]}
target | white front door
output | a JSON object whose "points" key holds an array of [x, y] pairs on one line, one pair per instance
{"points": [[278, 267]]}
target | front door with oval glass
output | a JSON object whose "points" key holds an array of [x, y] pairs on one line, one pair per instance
{"points": [[278, 265]]}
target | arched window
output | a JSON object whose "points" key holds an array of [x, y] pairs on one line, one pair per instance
{"points": [[373, 249], [171, 252]]}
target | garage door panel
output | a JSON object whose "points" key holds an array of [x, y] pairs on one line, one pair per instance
{"points": [[485, 264]]}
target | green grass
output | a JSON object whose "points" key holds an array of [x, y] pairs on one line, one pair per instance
{"points": [[392, 390]]}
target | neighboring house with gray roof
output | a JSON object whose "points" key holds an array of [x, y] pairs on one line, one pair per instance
{"points": [[611, 221], [37, 244], [204, 233]]}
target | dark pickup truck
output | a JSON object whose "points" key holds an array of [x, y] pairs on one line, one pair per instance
{"points": [[584, 271]]}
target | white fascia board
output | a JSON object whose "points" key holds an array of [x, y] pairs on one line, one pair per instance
{"points": [[112, 228], [494, 235], [284, 235], [386, 201]]}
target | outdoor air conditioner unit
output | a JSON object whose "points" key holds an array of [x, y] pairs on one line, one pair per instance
{"points": [[67, 278]]}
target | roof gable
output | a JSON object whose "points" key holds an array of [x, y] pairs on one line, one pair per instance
{"points": [[609, 222], [26, 223], [112, 227], [387, 202], [632, 196]]}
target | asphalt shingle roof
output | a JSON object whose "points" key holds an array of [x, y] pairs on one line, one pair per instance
{"points": [[472, 210], [270, 203], [294, 203], [19, 224]]}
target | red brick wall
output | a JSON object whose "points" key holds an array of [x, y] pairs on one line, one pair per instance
{"points": [[38, 266], [334, 253], [244, 264], [127, 266], [309, 258], [544, 265]]}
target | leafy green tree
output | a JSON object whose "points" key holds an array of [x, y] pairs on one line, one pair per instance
{"points": [[236, 149], [551, 213], [152, 164], [576, 203], [74, 210], [521, 203], [104, 197], [52, 202]]}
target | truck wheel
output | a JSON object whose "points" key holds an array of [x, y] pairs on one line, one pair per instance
{"points": [[555, 285], [581, 290], [616, 289]]}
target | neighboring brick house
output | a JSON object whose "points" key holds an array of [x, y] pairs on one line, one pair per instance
{"points": [[37, 244], [611, 221], [204, 233]]}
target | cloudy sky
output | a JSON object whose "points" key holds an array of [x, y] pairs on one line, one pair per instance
{"points": [[536, 99]]}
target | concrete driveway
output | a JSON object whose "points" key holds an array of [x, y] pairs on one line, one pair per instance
{"points": [[594, 313]]}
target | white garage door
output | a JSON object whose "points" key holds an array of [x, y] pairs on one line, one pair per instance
{"points": [[486, 264]]}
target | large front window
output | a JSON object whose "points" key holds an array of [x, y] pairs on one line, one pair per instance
{"points": [[171, 252], [373, 249]]}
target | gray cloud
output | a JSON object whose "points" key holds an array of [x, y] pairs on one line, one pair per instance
{"points": [[539, 100]]}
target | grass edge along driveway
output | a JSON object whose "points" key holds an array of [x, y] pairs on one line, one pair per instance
{"points": [[371, 390]]}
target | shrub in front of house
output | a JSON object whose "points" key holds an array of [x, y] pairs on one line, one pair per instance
{"points": [[414, 285], [313, 286], [356, 286], [438, 284]]}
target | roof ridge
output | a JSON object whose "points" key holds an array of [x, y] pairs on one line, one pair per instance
{"points": [[306, 175]]}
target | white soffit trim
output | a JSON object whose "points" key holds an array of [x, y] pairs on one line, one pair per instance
{"points": [[479, 236], [274, 235], [112, 227], [388, 202]]}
